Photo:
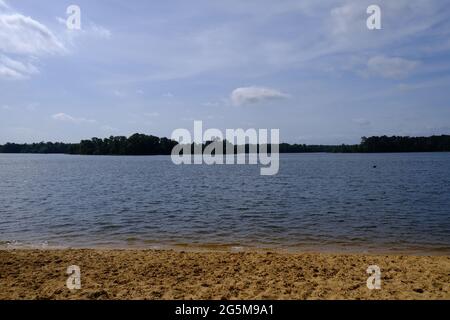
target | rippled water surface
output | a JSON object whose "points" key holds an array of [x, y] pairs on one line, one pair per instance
{"points": [[316, 202]]}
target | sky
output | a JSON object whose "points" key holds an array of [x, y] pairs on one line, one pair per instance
{"points": [[311, 69]]}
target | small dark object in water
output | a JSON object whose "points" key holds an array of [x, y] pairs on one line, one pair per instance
{"points": [[374, 166]]}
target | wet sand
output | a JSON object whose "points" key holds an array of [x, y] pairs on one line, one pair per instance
{"points": [[170, 274]]}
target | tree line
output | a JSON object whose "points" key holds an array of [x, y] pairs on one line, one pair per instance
{"points": [[141, 144]]}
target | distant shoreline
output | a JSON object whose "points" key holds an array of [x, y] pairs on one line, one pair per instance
{"points": [[168, 155], [141, 144]]}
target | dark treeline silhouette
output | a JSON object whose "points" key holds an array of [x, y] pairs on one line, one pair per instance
{"points": [[141, 144], [42, 147], [137, 144], [405, 144]]}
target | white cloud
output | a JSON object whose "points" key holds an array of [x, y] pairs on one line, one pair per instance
{"points": [[3, 5], [61, 20], [391, 67], [23, 35], [335, 28], [8, 73], [26, 39], [16, 70], [68, 118], [93, 30], [344, 18], [99, 31], [250, 95]]}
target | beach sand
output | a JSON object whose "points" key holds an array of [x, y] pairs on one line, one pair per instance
{"points": [[171, 274]]}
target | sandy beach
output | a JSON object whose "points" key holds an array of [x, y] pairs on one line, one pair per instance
{"points": [[170, 274]]}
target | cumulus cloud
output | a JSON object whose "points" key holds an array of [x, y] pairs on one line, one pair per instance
{"points": [[391, 67], [68, 118], [251, 95]]}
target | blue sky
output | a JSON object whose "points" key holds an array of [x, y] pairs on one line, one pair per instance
{"points": [[309, 68]]}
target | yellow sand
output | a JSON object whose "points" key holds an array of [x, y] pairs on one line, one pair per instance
{"points": [[168, 274]]}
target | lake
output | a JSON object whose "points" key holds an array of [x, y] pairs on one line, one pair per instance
{"points": [[317, 202]]}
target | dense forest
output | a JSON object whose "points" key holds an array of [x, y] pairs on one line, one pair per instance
{"points": [[141, 144]]}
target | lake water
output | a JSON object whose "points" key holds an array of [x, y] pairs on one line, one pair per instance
{"points": [[320, 202]]}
